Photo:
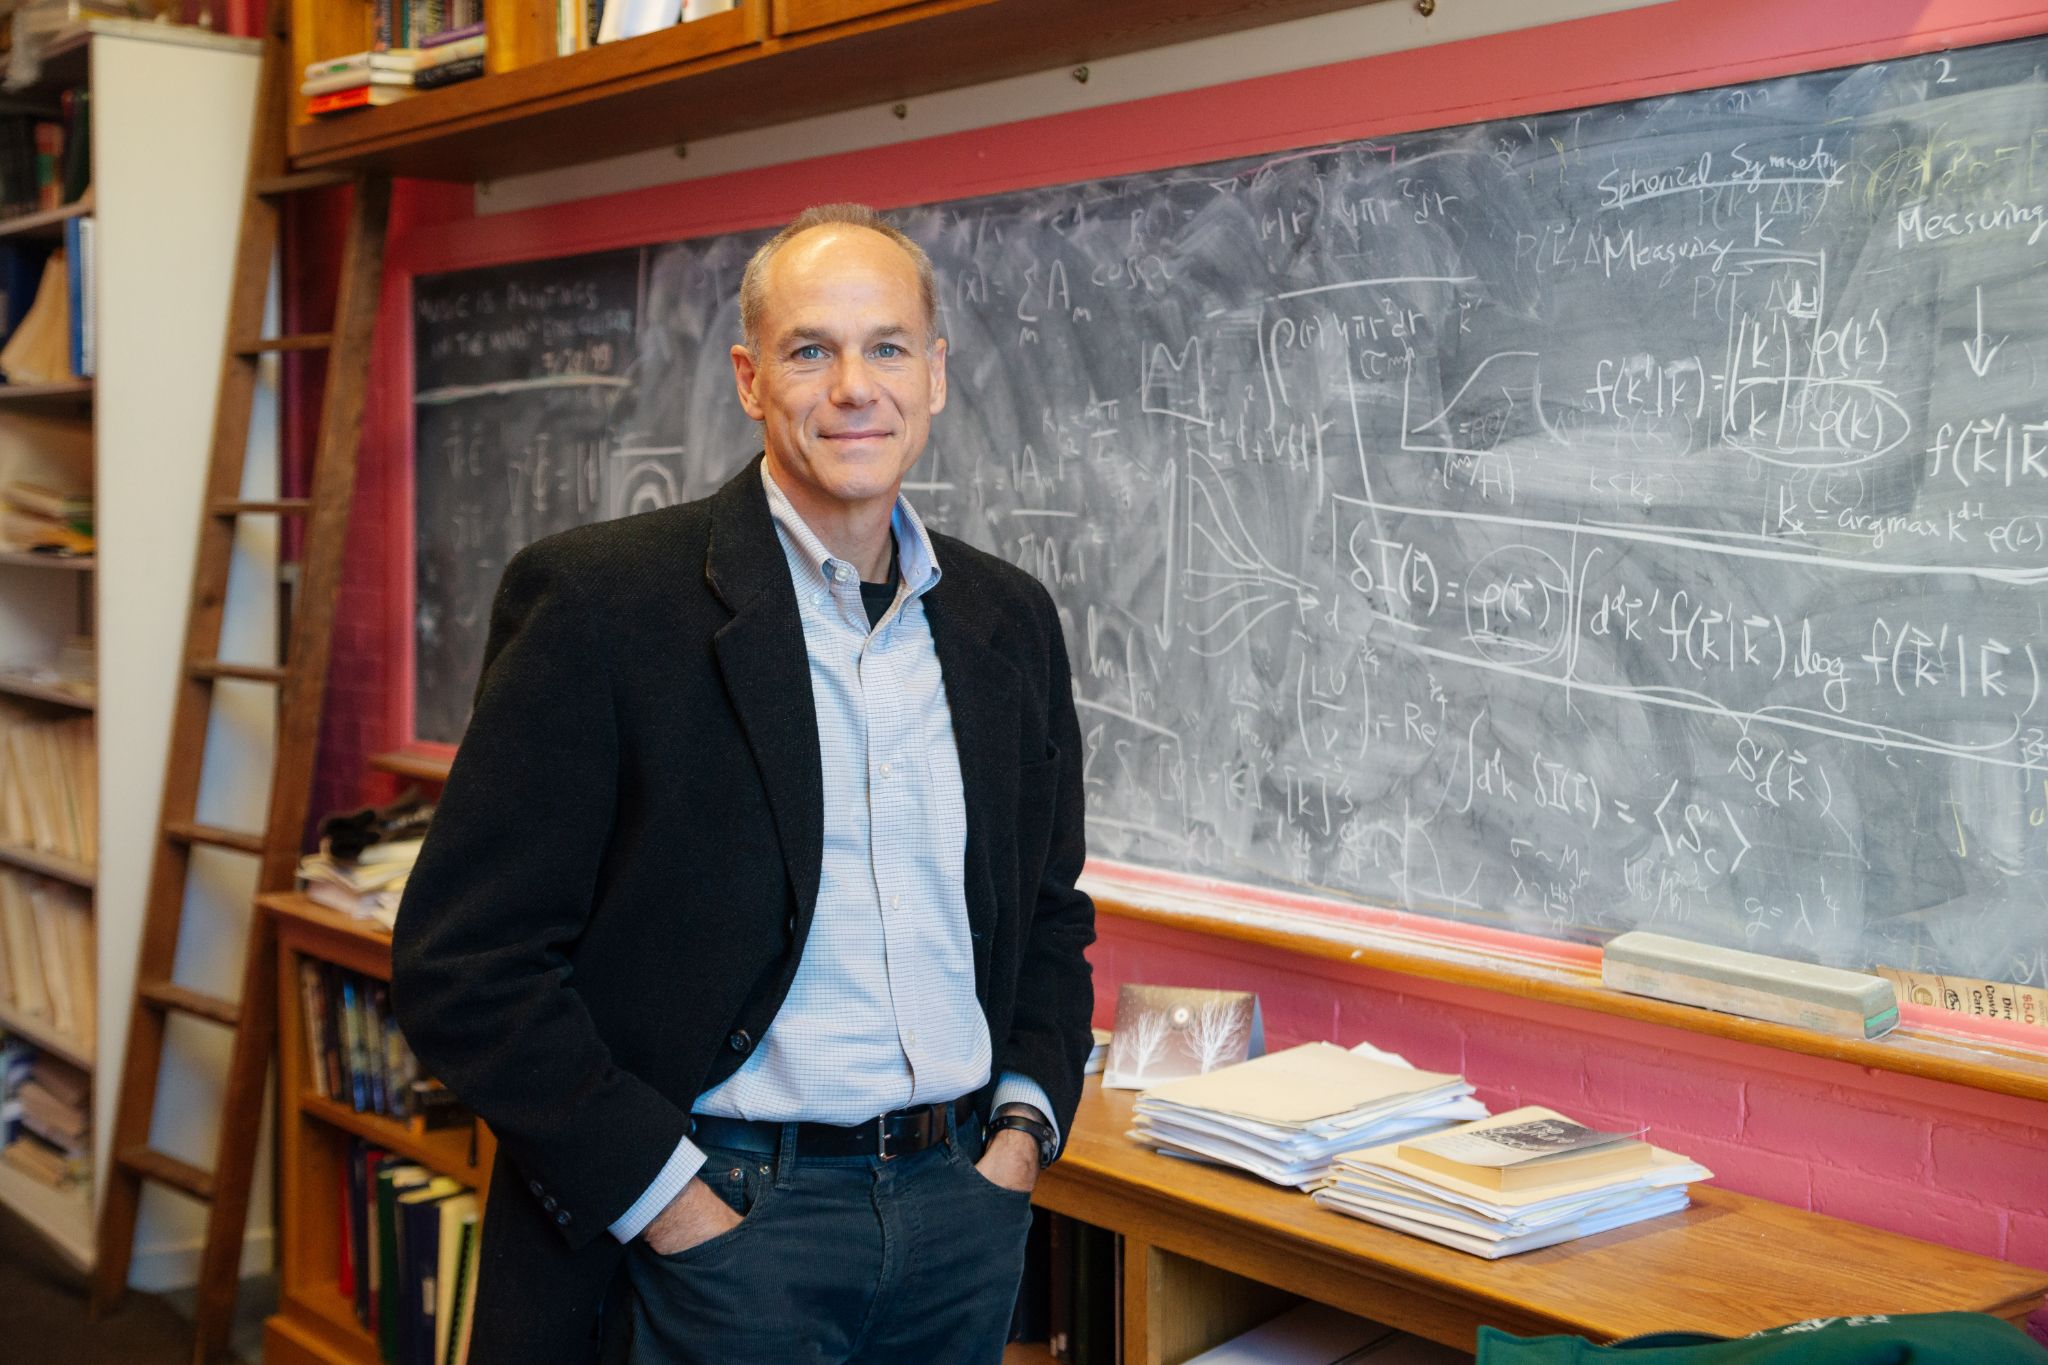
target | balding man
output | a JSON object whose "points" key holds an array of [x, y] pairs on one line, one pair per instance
{"points": [[748, 918]]}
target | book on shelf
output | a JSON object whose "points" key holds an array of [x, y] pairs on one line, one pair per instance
{"points": [[35, 517], [76, 108], [49, 784], [1462, 1204], [358, 97], [39, 349], [352, 80], [407, 1255], [81, 257], [463, 33], [45, 1124], [449, 73], [46, 955], [395, 61], [356, 1055]]}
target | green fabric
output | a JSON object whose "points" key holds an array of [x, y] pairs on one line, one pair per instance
{"points": [[1876, 1339]]}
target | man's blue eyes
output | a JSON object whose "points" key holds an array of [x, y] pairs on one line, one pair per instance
{"points": [[887, 350]]}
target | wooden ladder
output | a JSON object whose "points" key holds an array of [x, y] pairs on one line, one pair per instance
{"points": [[300, 682]]}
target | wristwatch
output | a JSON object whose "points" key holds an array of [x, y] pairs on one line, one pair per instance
{"points": [[1037, 1130]]}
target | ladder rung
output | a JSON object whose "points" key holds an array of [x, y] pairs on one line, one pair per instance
{"points": [[216, 836], [216, 668], [276, 507], [273, 185], [171, 996], [151, 1164], [304, 341]]}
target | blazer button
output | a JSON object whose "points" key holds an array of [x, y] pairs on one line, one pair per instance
{"points": [[791, 926], [547, 1205], [740, 1040], [534, 1187], [562, 1219]]}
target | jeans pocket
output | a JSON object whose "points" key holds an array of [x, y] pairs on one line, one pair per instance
{"points": [[965, 1165], [744, 1181]]}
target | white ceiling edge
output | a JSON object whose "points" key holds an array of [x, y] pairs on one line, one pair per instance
{"points": [[1296, 45]]}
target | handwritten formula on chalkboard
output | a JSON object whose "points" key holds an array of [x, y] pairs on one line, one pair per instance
{"points": [[1630, 517]]}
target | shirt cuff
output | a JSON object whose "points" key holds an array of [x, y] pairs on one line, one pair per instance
{"points": [[684, 1162], [1013, 1088]]}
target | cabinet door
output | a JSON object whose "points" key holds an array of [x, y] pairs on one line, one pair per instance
{"points": [[795, 16]]}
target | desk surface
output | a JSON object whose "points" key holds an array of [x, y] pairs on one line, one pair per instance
{"points": [[1728, 1265]]}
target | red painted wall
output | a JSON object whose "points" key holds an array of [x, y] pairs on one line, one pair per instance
{"points": [[1943, 1162]]}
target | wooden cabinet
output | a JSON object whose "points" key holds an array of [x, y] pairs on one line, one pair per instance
{"points": [[798, 16], [762, 63], [315, 1321], [171, 110]]}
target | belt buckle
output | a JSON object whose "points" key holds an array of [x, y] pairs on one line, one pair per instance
{"points": [[882, 1139]]}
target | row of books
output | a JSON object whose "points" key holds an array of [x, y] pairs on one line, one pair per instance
{"points": [[581, 24], [45, 163], [36, 517], [407, 1254], [381, 76], [1368, 1135], [49, 784], [46, 954], [357, 1056], [45, 1126], [355, 1053], [53, 339], [399, 24]]}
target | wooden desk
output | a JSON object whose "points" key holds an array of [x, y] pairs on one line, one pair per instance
{"points": [[1209, 1252]]}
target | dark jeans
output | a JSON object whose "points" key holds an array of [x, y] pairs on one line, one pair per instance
{"points": [[839, 1260]]}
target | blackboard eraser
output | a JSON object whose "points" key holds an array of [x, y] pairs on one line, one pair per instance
{"points": [[1825, 999]]}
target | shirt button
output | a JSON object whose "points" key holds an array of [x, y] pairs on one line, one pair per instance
{"points": [[895, 902], [816, 598], [885, 770], [739, 1040], [842, 573]]}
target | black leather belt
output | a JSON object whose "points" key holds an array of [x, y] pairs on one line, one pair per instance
{"points": [[896, 1133]]}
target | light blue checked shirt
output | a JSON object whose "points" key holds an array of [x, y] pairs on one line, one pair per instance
{"points": [[882, 1013]]}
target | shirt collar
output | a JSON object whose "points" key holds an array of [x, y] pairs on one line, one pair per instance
{"points": [[915, 559]]}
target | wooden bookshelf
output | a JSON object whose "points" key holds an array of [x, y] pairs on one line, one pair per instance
{"points": [[63, 1217], [15, 685], [71, 393], [314, 1321], [47, 224], [763, 63], [48, 864], [420, 767], [45, 1036]]}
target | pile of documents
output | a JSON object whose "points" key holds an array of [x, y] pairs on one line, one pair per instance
{"points": [[1285, 1116], [370, 884], [1524, 1179]]}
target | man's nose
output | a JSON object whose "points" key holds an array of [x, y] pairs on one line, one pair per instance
{"points": [[853, 384]]}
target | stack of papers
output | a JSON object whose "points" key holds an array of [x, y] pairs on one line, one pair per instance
{"points": [[1285, 1116], [370, 885], [1098, 1053], [1524, 1179]]}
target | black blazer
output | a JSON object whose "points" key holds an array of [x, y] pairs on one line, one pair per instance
{"points": [[617, 885]]}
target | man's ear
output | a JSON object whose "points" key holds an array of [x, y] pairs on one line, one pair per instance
{"points": [[744, 370], [938, 355]]}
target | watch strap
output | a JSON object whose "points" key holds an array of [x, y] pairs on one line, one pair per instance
{"points": [[1040, 1133]]}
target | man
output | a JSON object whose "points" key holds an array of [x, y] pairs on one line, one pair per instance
{"points": [[749, 905]]}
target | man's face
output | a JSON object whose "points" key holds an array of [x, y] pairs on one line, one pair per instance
{"points": [[847, 376]]}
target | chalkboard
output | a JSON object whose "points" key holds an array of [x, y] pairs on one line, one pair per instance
{"points": [[1626, 517]]}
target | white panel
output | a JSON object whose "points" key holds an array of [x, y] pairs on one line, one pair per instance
{"points": [[171, 126], [1297, 45]]}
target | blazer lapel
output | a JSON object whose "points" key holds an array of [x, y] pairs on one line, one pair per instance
{"points": [[982, 689], [767, 672]]}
